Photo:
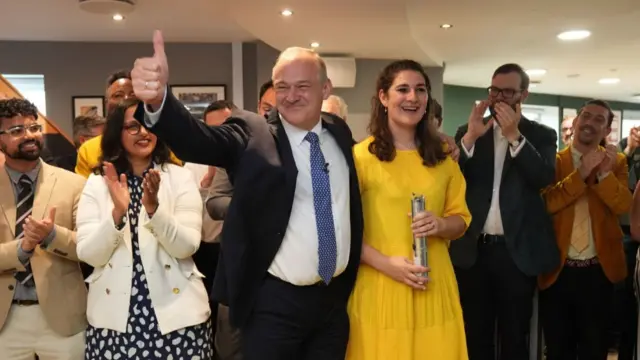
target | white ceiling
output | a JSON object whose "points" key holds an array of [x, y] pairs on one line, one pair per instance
{"points": [[485, 33]]}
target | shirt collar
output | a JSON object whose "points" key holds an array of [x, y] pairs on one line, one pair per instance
{"points": [[15, 175], [297, 135]]}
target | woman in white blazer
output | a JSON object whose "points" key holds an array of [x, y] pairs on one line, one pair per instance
{"points": [[139, 221]]}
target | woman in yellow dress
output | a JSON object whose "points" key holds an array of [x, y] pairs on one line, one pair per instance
{"points": [[394, 313]]}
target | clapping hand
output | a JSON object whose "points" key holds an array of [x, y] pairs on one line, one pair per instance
{"points": [[609, 159], [150, 187], [589, 162], [151, 74], [476, 127], [508, 120], [35, 231], [118, 189]]}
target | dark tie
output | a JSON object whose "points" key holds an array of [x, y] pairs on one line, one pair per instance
{"points": [[327, 251], [23, 211]]}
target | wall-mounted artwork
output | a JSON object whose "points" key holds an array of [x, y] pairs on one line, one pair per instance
{"points": [[196, 98], [87, 105]]}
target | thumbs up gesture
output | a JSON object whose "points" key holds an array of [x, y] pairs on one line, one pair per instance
{"points": [[150, 75], [35, 231]]}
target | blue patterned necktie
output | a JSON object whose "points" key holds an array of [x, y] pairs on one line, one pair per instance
{"points": [[327, 249]]}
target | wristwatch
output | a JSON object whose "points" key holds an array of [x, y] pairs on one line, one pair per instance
{"points": [[515, 143]]}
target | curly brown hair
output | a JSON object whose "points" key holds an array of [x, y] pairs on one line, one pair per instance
{"points": [[427, 141]]}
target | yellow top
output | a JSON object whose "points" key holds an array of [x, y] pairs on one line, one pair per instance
{"points": [[390, 320], [89, 155]]}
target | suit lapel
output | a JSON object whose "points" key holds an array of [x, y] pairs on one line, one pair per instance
{"points": [[44, 189], [344, 142], [7, 200], [284, 149], [523, 127]]}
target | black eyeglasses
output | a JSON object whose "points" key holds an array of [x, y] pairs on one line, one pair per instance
{"points": [[506, 93], [21, 130], [133, 128]]}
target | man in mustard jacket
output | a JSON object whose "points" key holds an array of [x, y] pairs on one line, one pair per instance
{"points": [[590, 192]]}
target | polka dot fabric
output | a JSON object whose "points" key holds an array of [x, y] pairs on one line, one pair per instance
{"points": [[327, 249], [143, 340]]}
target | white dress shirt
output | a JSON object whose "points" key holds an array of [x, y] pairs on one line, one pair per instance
{"points": [[493, 225], [297, 259]]}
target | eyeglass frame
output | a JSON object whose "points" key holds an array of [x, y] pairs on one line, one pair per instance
{"points": [[31, 128], [132, 126], [502, 92]]}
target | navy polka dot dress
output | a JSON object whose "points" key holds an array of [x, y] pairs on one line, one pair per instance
{"points": [[143, 339]]}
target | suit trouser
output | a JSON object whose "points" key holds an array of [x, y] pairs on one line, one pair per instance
{"points": [[494, 291], [296, 322], [26, 334], [575, 312], [626, 306], [227, 338]]}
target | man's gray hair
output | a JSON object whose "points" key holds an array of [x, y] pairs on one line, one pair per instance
{"points": [[292, 53], [342, 105], [83, 124]]}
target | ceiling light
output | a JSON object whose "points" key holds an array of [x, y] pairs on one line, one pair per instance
{"points": [[531, 86], [118, 17], [315, 45], [609, 81], [574, 35], [536, 72], [446, 26], [286, 12]]}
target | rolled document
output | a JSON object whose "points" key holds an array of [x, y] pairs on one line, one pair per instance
{"points": [[419, 243]]}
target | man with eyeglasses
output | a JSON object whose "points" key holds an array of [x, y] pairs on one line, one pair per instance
{"points": [[43, 304], [507, 160]]}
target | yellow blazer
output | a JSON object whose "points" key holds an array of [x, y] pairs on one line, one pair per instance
{"points": [[60, 286], [607, 199], [89, 155]]}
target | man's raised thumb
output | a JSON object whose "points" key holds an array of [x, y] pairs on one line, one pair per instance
{"points": [[158, 44]]}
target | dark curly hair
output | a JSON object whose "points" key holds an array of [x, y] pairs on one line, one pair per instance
{"points": [[111, 144], [427, 141], [10, 108]]}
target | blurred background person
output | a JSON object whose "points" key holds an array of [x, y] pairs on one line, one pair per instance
{"points": [[335, 105]]}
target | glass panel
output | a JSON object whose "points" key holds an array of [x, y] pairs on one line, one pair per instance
{"points": [[31, 87]]}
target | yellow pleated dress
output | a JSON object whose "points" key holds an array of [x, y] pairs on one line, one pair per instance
{"points": [[390, 320]]}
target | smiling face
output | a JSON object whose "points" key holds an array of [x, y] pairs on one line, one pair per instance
{"points": [[592, 125], [21, 138], [300, 87], [406, 100], [136, 140]]}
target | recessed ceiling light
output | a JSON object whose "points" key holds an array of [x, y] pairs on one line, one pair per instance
{"points": [[574, 35], [118, 17], [609, 81], [531, 86], [315, 45], [286, 12], [446, 26], [536, 72]]}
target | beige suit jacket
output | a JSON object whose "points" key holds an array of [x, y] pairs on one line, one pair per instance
{"points": [[59, 283]]}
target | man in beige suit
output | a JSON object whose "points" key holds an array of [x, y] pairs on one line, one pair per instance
{"points": [[42, 294]]}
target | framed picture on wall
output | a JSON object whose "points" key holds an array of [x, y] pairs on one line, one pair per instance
{"points": [[616, 128], [196, 98], [87, 105]]}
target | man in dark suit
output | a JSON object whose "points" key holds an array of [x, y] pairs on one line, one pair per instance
{"points": [[507, 160], [293, 231]]}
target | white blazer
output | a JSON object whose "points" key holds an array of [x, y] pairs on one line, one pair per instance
{"points": [[166, 241]]}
